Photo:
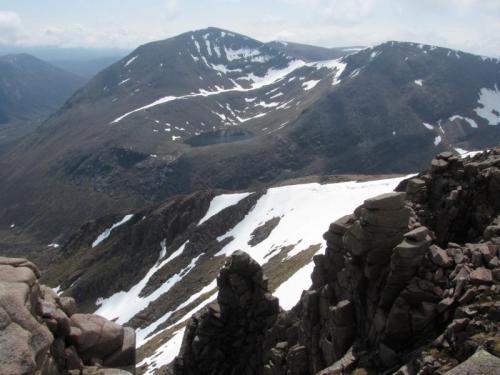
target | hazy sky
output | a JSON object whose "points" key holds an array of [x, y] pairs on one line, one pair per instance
{"points": [[470, 25]]}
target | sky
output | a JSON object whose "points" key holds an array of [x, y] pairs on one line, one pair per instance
{"points": [[469, 25]]}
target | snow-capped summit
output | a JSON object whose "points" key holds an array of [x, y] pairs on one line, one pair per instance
{"points": [[213, 108]]}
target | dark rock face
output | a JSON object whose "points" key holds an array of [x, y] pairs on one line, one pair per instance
{"points": [[227, 337], [122, 260], [262, 232], [458, 200], [409, 283], [41, 334]]}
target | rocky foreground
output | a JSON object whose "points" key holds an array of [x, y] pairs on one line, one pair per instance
{"points": [[409, 284], [41, 333]]}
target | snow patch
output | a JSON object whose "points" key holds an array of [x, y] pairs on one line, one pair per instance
{"points": [[465, 154], [224, 69], [124, 305], [310, 84], [164, 354], [143, 335], [267, 105], [489, 105], [209, 49], [437, 140], [123, 82], [221, 202], [272, 76], [108, 231], [355, 73], [217, 51], [197, 45], [337, 65], [174, 255], [324, 203], [241, 53], [130, 61], [470, 121], [290, 291], [259, 115]]}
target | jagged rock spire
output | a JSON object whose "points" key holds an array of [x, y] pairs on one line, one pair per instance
{"points": [[226, 337]]}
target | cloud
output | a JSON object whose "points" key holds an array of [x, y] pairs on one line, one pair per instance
{"points": [[348, 12], [470, 25], [172, 9], [86, 36], [283, 35], [271, 19], [10, 27]]}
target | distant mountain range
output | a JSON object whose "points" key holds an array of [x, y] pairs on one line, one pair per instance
{"points": [[86, 69], [84, 62], [216, 109], [30, 90]]}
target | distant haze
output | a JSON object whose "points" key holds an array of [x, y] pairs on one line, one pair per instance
{"points": [[470, 25]]}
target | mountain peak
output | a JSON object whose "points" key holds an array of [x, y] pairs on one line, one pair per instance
{"points": [[11, 58], [215, 33], [424, 48]]}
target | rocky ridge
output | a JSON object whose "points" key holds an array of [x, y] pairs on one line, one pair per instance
{"points": [[409, 283], [228, 334], [158, 265], [41, 333]]}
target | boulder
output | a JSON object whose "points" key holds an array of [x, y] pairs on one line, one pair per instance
{"points": [[35, 329], [440, 257], [68, 305], [480, 363], [481, 276], [388, 201], [125, 355], [96, 336]]}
